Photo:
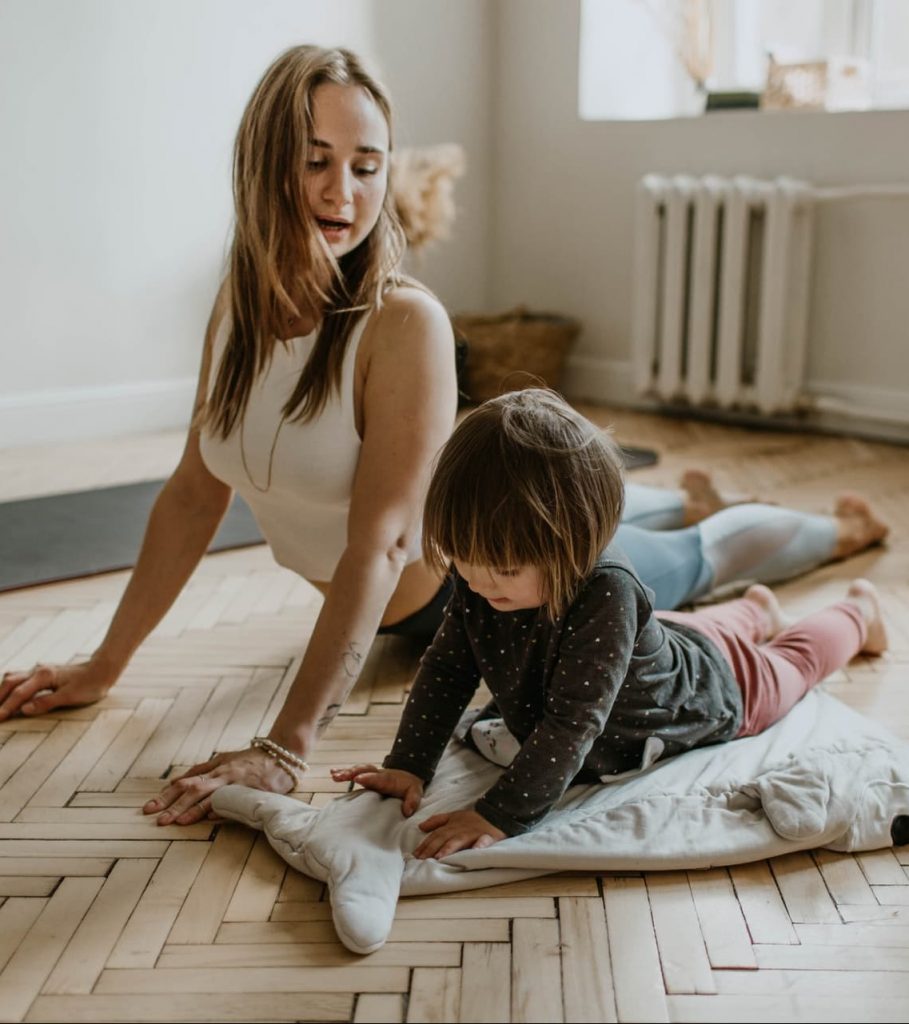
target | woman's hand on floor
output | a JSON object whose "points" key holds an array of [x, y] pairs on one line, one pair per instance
{"points": [[460, 830], [406, 786], [45, 687], [187, 799]]}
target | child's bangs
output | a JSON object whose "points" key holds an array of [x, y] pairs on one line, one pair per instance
{"points": [[487, 524]]}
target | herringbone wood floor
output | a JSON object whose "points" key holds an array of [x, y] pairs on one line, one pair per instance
{"points": [[106, 917]]}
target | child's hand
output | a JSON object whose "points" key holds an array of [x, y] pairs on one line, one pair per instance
{"points": [[388, 781], [460, 830]]}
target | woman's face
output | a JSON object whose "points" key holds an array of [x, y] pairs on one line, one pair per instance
{"points": [[346, 175]]}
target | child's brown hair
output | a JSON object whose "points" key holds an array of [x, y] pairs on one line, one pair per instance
{"points": [[526, 480]]}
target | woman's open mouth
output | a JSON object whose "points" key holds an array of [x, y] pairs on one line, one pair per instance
{"points": [[333, 228]]}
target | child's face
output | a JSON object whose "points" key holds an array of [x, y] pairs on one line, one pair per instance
{"points": [[507, 590]]}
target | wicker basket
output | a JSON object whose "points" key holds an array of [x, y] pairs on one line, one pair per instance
{"points": [[514, 350]]}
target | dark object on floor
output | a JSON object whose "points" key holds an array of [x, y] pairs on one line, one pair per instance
{"points": [[635, 458], [899, 830], [65, 536], [733, 99]]}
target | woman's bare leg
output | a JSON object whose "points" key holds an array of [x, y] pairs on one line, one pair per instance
{"points": [[857, 527], [702, 498]]}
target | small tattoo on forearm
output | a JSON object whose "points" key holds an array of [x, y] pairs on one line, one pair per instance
{"points": [[328, 717], [351, 660]]}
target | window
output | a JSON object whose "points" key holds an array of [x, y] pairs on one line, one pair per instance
{"points": [[643, 59]]}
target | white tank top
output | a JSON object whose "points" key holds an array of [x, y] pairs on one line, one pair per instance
{"points": [[303, 513]]}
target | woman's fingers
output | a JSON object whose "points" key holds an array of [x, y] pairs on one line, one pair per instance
{"points": [[201, 769], [20, 687], [188, 800], [50, 686]]}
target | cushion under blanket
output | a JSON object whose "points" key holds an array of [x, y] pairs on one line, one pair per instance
{"points": [[823, 776]]}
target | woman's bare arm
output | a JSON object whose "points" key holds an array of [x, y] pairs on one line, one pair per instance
{"points": [[409, 406], [182, 523]]}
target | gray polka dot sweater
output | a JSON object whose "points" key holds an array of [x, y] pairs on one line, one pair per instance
{"points": [[581, 694]]}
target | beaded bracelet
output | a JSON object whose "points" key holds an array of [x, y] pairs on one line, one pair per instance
{"points": [[293, 765]]}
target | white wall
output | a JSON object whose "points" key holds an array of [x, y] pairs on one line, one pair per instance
{"points": [[117, 119], [563, 192]]}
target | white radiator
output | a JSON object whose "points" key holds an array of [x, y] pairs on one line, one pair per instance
{"points": [[721, 278]]}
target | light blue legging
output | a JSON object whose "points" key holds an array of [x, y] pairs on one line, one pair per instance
{"points": [[751, 542], [754, 543]]}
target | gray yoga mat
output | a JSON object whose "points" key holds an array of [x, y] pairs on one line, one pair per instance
{"points": [[64, 536]]}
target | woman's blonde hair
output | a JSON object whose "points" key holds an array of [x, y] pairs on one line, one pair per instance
{"points": [[279, 265], [526, 480]]}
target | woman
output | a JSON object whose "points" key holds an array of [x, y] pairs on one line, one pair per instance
{"points": [[327, 386]]}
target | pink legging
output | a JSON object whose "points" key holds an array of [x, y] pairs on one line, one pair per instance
{"points": [[775, 674]]}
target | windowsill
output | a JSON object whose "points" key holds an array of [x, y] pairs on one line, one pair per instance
{"points": [[737, 111]]}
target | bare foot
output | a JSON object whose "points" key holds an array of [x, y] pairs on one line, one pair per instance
{"points": [[702, 499], [775, 619], [863, 594], [857, 526]]}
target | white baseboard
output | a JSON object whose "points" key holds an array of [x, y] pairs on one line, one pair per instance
{"points": [[81, 414], [592, 379], [881, 413]]}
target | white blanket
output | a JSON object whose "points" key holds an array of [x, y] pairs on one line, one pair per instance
{"points": [[823, 776]]}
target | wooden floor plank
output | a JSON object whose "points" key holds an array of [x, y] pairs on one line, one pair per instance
{"points": [[683, 955], [723, 926], [309, 954], [147, 929], [34, 959], [259, 884], [16, 919], [321, 930], [85, 955], [70, 866], [485, 983], [66, 777], [475, 906], [17, 749], [23, 783], [234, 1006], [795, 1009], [119, 756], [587, 986], [30, 885], [761, 903], [636, 971], [844, 878], [434, 995], [880, 867], [255, 979], [378, 1008], [211, 892], [832, 958], [803, 890], [536, 971]]}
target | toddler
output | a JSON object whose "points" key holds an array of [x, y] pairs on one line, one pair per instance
{"points": [[590, 683]]}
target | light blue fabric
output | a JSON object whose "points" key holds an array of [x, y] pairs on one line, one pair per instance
{"points": [[764, 543], [653, 508], [670, 562], [750, 543]]}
